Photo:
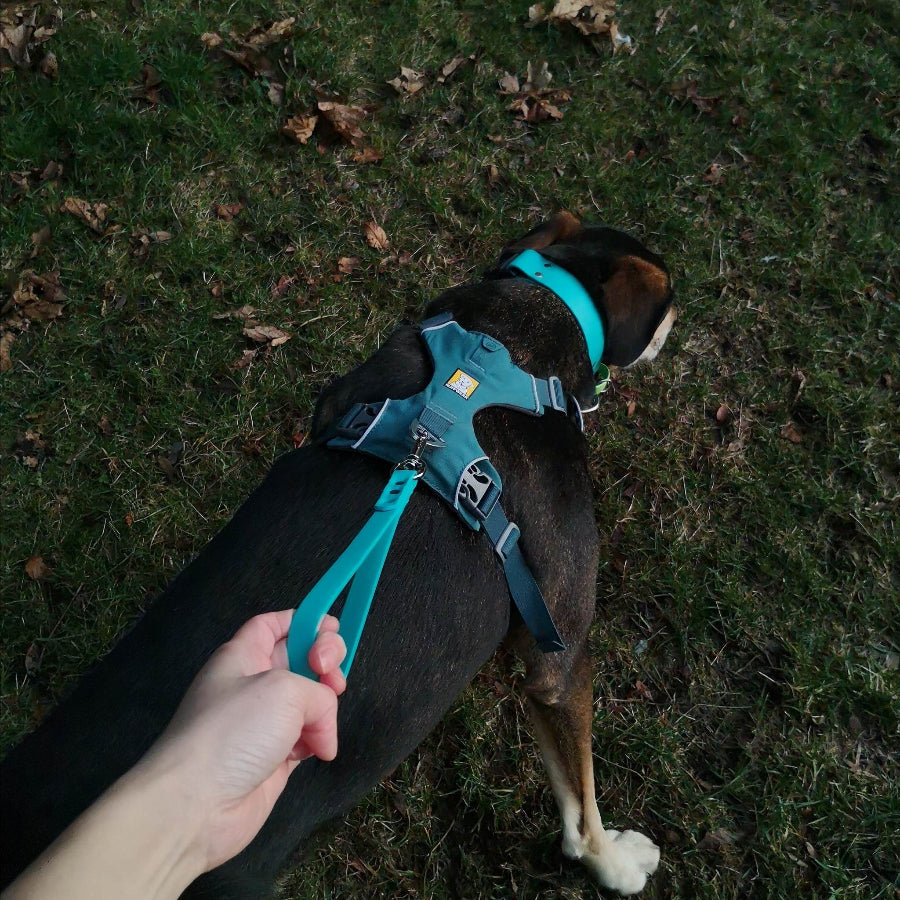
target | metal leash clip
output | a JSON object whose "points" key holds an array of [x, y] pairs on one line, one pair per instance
{"points": [[414, 460]]}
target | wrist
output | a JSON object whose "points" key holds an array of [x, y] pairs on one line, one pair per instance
{"points": [[172, 812]]}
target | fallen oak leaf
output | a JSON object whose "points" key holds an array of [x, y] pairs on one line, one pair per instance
{"points": [[283, 285], [245, 360], [252, 62], [300, 128], [266, 334], [368, 154], [449, 69], [536, 109], [211, 40], [408, 82], [40, 238], [243, 313], [228, 211], [375, 236], [6, 341], [38, 297], [539, 76], [346, 264], [142, 240], [92, 214], [588, 16], [36, 569], [49, 65], [259, 37], [344, 120], [276, 93], [509, 84], [33, 659]]}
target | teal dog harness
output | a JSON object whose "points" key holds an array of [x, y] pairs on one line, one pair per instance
{"points": [[472, 371]]}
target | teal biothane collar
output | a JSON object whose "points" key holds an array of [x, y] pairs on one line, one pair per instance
{"points": [[531, 265]]}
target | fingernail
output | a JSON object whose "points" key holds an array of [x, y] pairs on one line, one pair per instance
{"points": [[327, 658]]}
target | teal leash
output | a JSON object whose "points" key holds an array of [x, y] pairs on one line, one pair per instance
{"points": [[359, 566]]}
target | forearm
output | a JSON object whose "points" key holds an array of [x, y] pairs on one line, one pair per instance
{"points": [[137, 841]]}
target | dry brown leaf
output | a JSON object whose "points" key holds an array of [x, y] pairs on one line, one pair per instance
{"points": [[509, 84], [228, 211], [688, 90], [252, 62], [6, 340], [33, 659], [142, 240], [50, 65], [40, 238], [276, 93], [408, 82], [21, 33], [346, 264], [368, 154], [92, 214], [105, 426], [149, 87], [300, 128], [36, 569], [588, 16], [266, 334], [539, 76], [791, 433], [375, 236], [243, 313], [719, 839], [283, 285], [449, 68], [38, 298], [211, 40], [245, 360], [344, 120], [260, 37], [536, 109]]}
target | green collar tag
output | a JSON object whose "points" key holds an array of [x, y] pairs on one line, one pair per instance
{"points": [[603, 379]]}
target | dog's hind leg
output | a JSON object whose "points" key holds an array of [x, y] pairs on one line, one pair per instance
{"points": [[560, 703]]}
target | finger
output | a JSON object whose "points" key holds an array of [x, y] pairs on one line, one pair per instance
{"points": [[319, 732], [335, 680], [329, 623], [326, 653], [253, 644]]}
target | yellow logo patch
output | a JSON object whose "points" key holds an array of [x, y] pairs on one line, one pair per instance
{"points": [[462, 384]]}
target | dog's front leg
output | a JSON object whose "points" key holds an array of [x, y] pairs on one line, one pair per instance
{"points": [[560, 703]]}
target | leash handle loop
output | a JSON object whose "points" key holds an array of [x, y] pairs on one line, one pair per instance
{"points": [[359, 566]]}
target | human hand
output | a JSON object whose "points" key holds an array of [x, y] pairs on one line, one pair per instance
{"points": [[245, 723]]}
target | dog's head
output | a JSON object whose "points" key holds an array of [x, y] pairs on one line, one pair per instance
{"points": [[628, 283]]}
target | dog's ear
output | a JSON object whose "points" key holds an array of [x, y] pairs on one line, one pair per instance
{"points": [[637, 308], [562, 226]]}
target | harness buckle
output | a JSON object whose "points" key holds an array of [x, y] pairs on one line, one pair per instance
{"points": [[478, 493], [557, 394]]}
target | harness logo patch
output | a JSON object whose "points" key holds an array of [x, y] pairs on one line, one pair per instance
{"points": [[462, 384]]}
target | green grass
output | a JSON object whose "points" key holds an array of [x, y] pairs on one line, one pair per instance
{"points": [[749, 583]]}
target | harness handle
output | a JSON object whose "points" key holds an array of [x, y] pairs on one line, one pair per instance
{"points": [[359, 566]]}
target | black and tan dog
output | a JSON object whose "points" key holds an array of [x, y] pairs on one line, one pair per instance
{"points": [[442, 607]]}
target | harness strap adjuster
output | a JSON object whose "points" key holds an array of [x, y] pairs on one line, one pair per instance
{"points": [[507, 540], [557, 394]]}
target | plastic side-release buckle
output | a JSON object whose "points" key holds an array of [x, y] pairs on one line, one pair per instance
{"points": [[478, 493]]}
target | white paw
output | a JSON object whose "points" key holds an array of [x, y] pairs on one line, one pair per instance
{"points": [[624, 862]]}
